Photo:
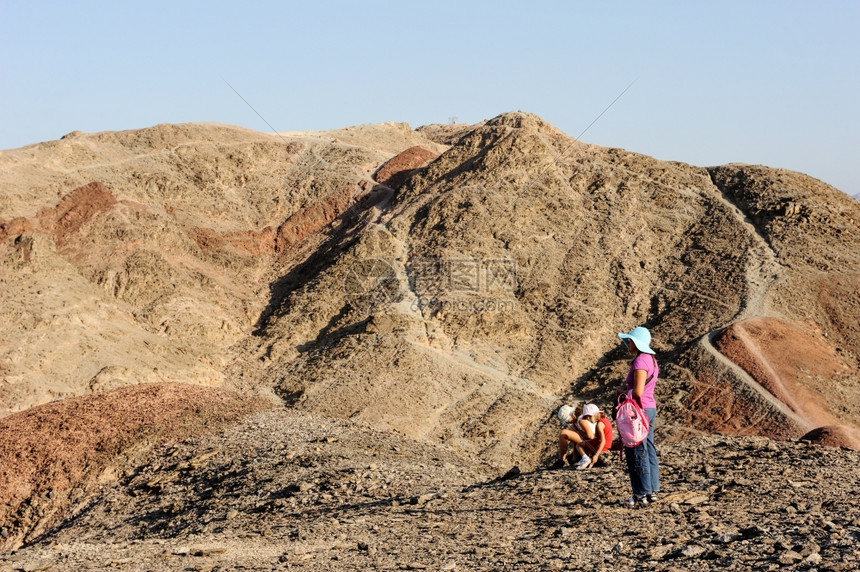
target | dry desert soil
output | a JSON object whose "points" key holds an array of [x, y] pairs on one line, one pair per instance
{"points": [[344, 350]]}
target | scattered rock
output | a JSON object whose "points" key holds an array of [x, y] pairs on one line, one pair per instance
{"points": [[37, 565], [727, 538], [790, 557], [692, 551], [540, 520]]}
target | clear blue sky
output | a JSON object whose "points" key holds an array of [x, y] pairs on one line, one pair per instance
{"points": [[773, 82]]}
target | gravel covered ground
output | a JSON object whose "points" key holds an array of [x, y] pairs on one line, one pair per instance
{"points": [[286, 490]]}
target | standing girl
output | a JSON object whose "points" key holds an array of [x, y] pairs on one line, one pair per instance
{"points": [[642, 460]]}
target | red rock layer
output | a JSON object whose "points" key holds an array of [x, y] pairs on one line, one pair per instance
{"points": [[794, 365], [397, 169], [53, 448]]}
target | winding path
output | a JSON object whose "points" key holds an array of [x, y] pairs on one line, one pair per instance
{"points": [[762, 272]]}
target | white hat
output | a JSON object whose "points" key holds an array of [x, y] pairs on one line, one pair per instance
{"points": [[565, 412], [590, 409]]}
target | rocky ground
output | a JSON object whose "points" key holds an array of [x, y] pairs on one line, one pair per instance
{"points": [[287, 490], [416, 304], [52, 457]]}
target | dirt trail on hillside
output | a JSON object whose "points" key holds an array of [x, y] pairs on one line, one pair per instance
{"points": [[762, 272], [742, 346]]}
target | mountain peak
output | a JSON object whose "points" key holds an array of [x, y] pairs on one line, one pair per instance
{"points": [[453, 285]]}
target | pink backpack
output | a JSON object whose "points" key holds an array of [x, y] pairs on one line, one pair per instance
{"points": [[631, 421]]}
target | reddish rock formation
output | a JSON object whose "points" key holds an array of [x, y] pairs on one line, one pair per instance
{"points": [[207, 239], [255, 243], [397, 169], [315, 217], [48, 451], [294, 229], [835, 436], [793, 365], [15, 227], [75, 210]]}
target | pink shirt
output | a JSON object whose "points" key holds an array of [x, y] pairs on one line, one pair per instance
{"points": [[652, 370]]}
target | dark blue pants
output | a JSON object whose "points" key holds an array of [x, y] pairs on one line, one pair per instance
{"points": [[642, 462]]}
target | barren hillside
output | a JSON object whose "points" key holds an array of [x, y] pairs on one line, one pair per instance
{"points": [[449, 285], [492, 287], [458, 292], [142, 256]]}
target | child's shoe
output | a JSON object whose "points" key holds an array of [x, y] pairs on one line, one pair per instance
{"points": [[583, 463]]}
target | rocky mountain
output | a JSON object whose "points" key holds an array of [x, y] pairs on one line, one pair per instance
{"points": [[449, 286], [496, 278], [144, 256]]}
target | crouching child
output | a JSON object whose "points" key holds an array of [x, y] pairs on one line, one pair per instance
{"points": [[591, 449]]}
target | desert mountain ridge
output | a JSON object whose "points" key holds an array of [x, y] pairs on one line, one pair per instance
{"points": [[503, 255], [452, 285]]}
